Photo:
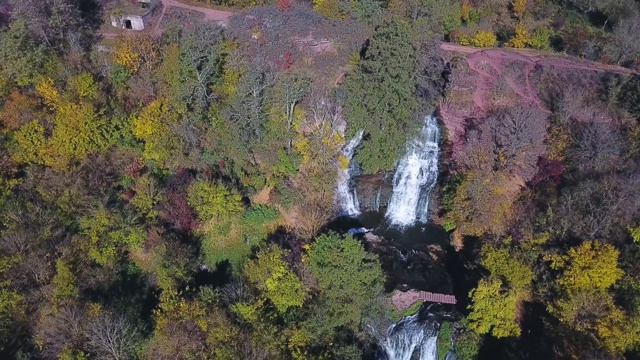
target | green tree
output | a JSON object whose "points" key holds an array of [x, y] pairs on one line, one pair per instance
{"points": [[467, 345], [147, 195], [21, 58], [109, 235], [257, 221], [349, 280], [213, 201], [381, 96], [540, 38], [634, 231], [11, 302], [64, 282]]}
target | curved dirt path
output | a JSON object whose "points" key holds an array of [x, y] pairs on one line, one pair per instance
{"points": [[535, 57], [209, 14], [489, 65], [495, 59]]}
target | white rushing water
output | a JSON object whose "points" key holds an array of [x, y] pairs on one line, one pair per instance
{"points": [[408, 336], [415, 177], [346, 196]]}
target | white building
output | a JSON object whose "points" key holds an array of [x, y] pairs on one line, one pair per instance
{"points": [[132, 15]]}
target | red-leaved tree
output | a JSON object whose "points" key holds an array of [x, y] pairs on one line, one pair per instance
{"points": [[549, 171], [287, 62], [284, 5], [177, 213]]}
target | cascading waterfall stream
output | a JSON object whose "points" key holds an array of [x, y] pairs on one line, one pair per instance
{"points": [[415, 177], [346, 196], [407, 336]]}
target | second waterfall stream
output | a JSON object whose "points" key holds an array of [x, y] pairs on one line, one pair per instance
{"points": [[415, 177], [346, 196]]}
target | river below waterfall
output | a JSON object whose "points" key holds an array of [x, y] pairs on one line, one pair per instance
{"points": [[413, 337]]}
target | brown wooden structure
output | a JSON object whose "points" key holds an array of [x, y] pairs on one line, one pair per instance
{"points": [[404, 299]]}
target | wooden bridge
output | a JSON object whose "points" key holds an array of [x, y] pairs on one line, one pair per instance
{"points": [[404, 299]]}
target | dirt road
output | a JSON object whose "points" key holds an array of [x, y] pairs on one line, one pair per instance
{"points": [[534, 57], [219, 16], [209, 14]]}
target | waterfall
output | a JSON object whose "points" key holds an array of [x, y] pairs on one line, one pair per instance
{"points": [[415, 177], [407, 336], [376, 203], [346, 196]]}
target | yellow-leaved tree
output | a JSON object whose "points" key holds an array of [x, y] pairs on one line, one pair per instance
{"points": [[153, 126], [521, 38], [465, 11], [328, 8], [30, 142], [270, 274], [78, 127], [484, 38], [135, 51], [493, 309], [495, 302], [584, 302], [483, 204], [519, 7], [192, 329], [78, 131], [590, 266]]}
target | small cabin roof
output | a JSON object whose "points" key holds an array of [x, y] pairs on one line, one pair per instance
{"points": [[127, 7]]}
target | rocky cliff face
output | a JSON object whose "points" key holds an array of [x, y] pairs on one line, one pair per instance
{"points": [[374, 191]]}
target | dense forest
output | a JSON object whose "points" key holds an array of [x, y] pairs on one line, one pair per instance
{"points": [[170, 193]]}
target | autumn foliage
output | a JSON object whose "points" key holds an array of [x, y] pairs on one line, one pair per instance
{"points": [[171, 193], [287, 61], [284, 5]]}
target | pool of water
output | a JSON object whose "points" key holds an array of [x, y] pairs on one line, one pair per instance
{"points": [[413, 256], [414, 237]]}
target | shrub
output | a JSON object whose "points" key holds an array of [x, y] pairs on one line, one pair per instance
{"points": [[257, 221], [213, 201], [635, 233], [540, 39], [483, 39], [518, 7], [467, 345], [465, 11], [444, 340], [521, 38]]}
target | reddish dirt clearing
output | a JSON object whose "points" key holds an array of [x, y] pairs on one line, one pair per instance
{"points": [[493, 65]]}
